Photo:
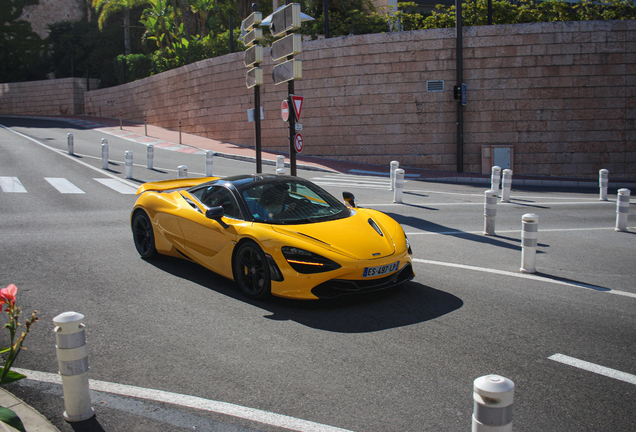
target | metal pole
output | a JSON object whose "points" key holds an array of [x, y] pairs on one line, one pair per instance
{"points": [[460, 79], [489, 12], [325, 9], [292, 120], [231, 35], [257, 117]]}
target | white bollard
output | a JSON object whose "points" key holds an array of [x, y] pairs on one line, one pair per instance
{"points": [[622, 209], [495, 178], [506, 185], [399, 185], [209, 160], [394, 167], [490, 212], [150, 156], [69, 141], [183, 171], [280, 171], [280, 162], [493, 396], [603, 182], [529, 241], [72, 360], [104, 153], [129, 164]]}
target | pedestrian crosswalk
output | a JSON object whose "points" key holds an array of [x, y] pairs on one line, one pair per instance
{"points": [[350, 180], [65, 186]]}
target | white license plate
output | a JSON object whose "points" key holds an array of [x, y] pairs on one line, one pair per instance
{"points": [[380, 270]]}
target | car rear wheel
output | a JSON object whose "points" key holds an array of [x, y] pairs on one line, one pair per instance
{"points": [[251, 271], [143, 235]]}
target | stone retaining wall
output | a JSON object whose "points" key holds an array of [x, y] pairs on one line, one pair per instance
{"points": [[63, 96]]}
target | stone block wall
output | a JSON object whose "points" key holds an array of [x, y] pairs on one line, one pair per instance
{"points": [[63, 96]]}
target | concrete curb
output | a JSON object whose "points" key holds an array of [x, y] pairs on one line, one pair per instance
{"points": [[32, 420]]}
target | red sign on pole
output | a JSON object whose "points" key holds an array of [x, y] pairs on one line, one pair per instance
{"points": [[284, 110], [298, 142], [297, 102]]}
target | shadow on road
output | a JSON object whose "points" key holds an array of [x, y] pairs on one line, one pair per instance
{"points": [[409, 303]]}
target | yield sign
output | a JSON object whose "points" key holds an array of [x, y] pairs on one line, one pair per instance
{"points": [[297, 102]]}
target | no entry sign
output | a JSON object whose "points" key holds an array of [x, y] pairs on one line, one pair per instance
{"points": [[284, 110], [298, 142]]}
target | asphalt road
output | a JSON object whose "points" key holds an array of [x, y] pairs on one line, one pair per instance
{"points": [[398, 360]]}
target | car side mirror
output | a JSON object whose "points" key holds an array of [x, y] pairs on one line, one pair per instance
{"points": [[349, 199], [215, 213]]}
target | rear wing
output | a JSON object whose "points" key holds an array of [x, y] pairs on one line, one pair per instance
{"points": [[182, 183]]}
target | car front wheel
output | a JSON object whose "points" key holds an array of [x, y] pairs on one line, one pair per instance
{"points": [[251, 271], [143, 235]]}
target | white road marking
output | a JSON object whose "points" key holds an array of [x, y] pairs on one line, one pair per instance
{"points": [[11, 184], [529, 204], [591, 367], [63, 185], [535, 277], [260, 416], [117, 185], [481, 232]]}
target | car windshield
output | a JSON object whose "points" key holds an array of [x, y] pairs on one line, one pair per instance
{"points": [[292, 201]]}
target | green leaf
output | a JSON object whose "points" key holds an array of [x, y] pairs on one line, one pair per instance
{"points": [[11, 376], [9, 417]]}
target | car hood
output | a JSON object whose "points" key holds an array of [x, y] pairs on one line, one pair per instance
{"points": [[354, 236]]}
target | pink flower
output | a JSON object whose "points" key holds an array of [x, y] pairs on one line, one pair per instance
{"points": [[7, 295]]}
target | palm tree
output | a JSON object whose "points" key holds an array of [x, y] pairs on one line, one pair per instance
{"points": [[108, 7]]}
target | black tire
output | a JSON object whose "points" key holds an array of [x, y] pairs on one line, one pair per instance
{"points": [[251, 271], [143, 235]]}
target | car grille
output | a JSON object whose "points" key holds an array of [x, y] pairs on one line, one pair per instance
{"points": [[338, 287]]}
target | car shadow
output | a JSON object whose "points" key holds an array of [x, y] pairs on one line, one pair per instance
{"points": [[407, 304]]}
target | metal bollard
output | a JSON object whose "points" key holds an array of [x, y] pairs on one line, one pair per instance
{"points": [[490, 212], [280, 162], [145, 125], [209, 160], [72, 360], [183, 171], [129, 164], [104, 153], [120, 120], [399, 185], [622, 209], [69, 141], [280, 171], [493, 396], [529, 241], [179, 131], [150, 156], [603, 182], [100, 115], [506, 185], [495, 177], [394, 167]]}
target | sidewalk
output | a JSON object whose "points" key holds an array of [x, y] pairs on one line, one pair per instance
{"points": [[32, 420]]}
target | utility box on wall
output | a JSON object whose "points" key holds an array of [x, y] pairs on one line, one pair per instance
{"points": [[496, 155]]}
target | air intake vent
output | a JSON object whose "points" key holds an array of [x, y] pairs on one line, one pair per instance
{"points": [[435, 86]]}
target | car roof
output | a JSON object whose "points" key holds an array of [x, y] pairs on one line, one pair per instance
{"points": [[243, 181]]}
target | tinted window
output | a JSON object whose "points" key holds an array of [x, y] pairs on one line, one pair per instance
{"points": [[218, 196]]}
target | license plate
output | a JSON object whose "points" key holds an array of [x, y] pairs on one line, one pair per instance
{"points": [[380, 270]]}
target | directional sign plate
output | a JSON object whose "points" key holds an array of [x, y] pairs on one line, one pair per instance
{"points": [[290, 70], [288, 46], [285, 19], [252, 21], [253, 55], [254, 77], [252, 37]]}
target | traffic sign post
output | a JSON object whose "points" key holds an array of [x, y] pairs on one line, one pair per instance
{"points": [[254, 77]]}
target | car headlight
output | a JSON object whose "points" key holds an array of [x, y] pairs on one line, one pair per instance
{"points": [[307, 262]]}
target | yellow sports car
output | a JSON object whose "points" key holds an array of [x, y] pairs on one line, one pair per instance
{"points": [[277, 235]]}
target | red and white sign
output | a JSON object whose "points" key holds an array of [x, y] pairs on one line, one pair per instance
{"points": [[298, 142], [297, 102], [284, 110]]}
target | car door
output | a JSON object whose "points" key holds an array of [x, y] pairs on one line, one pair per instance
{"points": [[207, 241]]}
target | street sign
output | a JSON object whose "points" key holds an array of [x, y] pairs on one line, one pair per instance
{"points": [[298, 143], [297, 102], [285, 19], [284, 110], [253, 36], [254, 77], [287, 46], [250, 115], [290, 70], [298, 127], [252, 21], [253, 55]]}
